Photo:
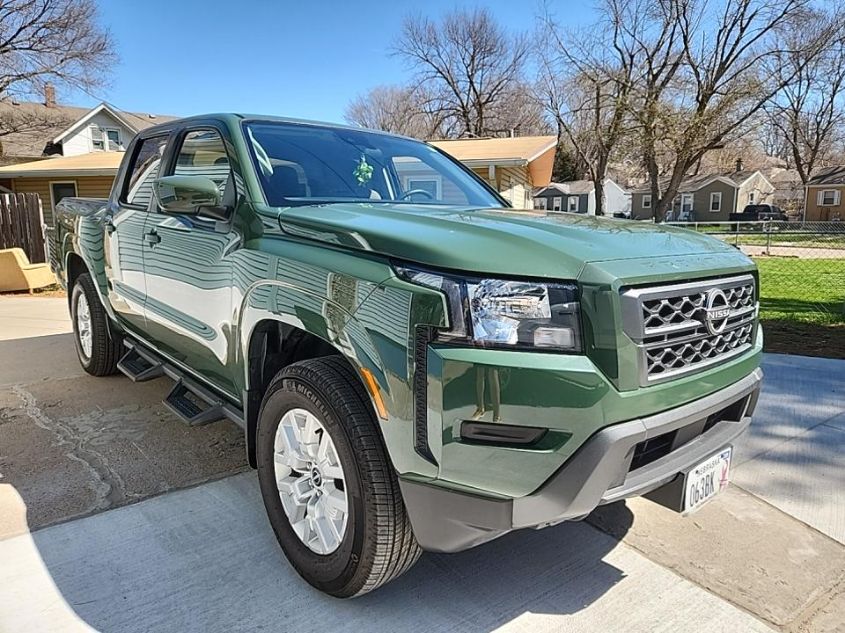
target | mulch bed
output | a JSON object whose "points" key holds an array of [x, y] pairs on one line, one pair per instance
{"points": [[804, 339]]}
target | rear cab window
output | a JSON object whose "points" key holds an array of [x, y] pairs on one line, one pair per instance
{"points": [[143, 170]]}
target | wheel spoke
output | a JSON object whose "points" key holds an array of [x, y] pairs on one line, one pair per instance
{"points": [[336, 501], [286, 459], [331, 471]]}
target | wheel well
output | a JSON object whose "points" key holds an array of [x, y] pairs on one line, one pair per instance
{"points": [[75, 267], [273, 346]]}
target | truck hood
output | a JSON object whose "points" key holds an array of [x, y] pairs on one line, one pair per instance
{"points": [[492, 241]]}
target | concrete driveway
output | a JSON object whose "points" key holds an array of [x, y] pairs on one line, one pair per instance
{"points": [[195, 553]]}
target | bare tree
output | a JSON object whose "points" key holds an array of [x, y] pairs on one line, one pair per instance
{"points": [[586, 82], [400, 110], [56, 41], [711, 98], [470, 66], [807, 113], [28, 123]]}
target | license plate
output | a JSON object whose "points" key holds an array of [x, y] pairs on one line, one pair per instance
{"points": [[707, 480]]}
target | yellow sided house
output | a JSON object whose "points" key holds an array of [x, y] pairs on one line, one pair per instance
{"points": [[85, 175], [514, 166]]}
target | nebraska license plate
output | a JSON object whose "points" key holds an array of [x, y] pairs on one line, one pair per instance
{"points": [[707, 480]]}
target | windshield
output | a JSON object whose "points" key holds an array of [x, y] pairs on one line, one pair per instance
{"points": [[301, 164]]}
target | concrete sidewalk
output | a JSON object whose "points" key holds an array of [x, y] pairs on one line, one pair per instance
{"points": [[25, 317], [205, 560], [794, 455]]}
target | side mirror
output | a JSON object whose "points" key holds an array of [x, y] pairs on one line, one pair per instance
{"points": [[186, 195]]}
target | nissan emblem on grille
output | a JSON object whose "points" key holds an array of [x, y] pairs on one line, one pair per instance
{"points": [[689, 326], [716, 311]]}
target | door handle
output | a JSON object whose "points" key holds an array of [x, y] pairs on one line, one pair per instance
{"points": [[152, 238]]}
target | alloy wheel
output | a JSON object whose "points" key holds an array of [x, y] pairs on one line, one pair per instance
{"points": [[311, 481], [83, 324]]}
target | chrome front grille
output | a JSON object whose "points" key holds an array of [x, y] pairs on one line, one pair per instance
{"points": [[682, 328]]}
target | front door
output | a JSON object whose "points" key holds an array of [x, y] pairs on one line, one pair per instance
{"points": [[687, 200], [125, 234], [188, 272]]}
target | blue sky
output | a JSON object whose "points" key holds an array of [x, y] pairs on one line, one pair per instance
{"points": [[293, 58]]}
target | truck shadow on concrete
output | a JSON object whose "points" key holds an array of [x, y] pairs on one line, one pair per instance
{"points": [[205, 559]]}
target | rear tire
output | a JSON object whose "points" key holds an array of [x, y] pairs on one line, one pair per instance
{"points": [[97, 350], [374, 543]]}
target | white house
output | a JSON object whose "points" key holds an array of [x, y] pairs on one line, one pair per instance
{"points": [[102, 129], [579, 196]]}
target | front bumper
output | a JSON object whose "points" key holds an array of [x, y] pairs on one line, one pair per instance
{"points": [[599, 472]]}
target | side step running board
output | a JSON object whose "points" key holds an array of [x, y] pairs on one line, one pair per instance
{"points": [[188, 400], [139, 366], [193, 404]]}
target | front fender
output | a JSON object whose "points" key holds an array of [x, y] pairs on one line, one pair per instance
{"points": [[374, 334]]}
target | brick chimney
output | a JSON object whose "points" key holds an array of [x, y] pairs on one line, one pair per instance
{"points": [[49, 95], [739, 164]]}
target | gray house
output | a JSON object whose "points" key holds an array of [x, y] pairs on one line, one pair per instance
{"points": [[709, 197], [579, 196]]}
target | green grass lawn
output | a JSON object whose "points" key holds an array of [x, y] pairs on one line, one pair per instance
{"points": [[807, 290]]}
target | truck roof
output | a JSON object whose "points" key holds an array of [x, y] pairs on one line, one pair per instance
{"points": [[237, 117]]}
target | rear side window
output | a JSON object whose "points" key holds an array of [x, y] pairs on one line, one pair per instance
{"points": [[203, 154], [143, 171]]}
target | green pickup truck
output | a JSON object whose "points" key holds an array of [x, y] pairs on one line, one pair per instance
{"points": [[416, 366]]}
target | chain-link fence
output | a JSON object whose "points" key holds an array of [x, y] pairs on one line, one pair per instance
{"points": [[802, 280]]}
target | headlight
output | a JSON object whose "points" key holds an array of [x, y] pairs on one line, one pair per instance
{"points": [[507, 313]]}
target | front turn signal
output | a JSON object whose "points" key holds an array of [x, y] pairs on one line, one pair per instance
{"points": [[375, 392]]}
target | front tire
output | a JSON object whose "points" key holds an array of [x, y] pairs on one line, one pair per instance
{"points": [[97, 351], [330, 491]]}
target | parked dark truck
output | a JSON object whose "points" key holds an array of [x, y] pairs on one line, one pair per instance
{"points": [[416, 366], [759, 212]]}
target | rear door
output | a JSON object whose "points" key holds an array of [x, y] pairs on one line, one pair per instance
{"points": [[125, 232], [188, 273]]}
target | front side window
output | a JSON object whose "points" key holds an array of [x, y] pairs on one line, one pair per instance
{"points": [[310, 164], [203, 153], [143, 171]]}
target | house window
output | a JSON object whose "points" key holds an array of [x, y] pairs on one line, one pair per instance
{"points": [[716, 202], [105, 139], [557, 201], [540, 203], [751, 197], [686, 204], [63, 189], [572, 204], [431, 185], [828, 198], [647, 201]]}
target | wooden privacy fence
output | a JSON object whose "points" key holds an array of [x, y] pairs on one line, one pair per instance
{"points": [[22, 225]]}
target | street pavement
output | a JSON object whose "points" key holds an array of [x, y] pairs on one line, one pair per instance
{"points": [[116, 517]]}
